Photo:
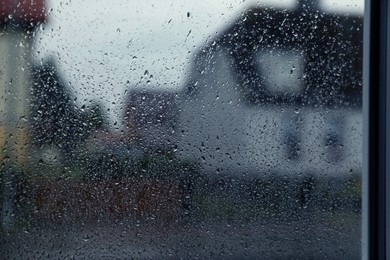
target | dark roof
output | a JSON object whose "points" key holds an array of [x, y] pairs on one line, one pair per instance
{"points": [[24, 12], [332, 44]]}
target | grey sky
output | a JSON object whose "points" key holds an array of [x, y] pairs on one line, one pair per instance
{"points": [[99, 46]]}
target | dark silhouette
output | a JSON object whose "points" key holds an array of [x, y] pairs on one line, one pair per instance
{"points": [[56, 120]]}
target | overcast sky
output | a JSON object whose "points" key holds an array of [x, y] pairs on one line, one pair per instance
{"points": [[101, 45]]}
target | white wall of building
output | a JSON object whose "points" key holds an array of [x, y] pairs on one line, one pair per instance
{"points": [[227, 136]]}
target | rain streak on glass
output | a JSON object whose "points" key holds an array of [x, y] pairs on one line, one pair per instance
{"points": [[171, 129]]}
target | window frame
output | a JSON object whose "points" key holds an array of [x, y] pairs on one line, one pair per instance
{"points": [[376, 116]]}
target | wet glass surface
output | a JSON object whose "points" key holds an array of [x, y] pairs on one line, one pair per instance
{"points": [[181, 130]]}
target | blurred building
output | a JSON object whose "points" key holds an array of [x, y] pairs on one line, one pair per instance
{"points": [[18, 22], [277, 92], [150, 119], [149, 135]]}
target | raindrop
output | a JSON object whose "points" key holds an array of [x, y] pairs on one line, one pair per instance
{"points": [[86, 238]]}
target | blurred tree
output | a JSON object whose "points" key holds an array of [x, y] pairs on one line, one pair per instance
{"points": [[56, 121], [96, 119]]}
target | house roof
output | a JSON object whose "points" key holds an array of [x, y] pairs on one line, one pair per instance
{"points": [[331, 45], [23, 12]]}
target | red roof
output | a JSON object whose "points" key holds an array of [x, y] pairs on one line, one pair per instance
{"points": [[22, 11]]}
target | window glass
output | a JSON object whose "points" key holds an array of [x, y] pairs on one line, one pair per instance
{"points": [[281, 71], [159, 129]]}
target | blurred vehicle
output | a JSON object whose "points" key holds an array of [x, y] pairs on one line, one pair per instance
{"points": [[277, 93]]}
